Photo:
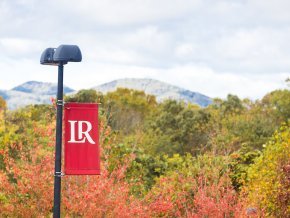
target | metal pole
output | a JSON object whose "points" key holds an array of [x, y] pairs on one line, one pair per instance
{"points": [[57, 169]]}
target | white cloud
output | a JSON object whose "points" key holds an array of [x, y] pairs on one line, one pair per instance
{"points": [[214, 47], [19, 47], [249, 44], [216, 84], [185, 49], [196, 78], [15, 72], [148, 38], [127, 12], [276, 11]]}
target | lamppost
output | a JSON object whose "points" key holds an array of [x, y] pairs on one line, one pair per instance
{"points": [[59, 57]]}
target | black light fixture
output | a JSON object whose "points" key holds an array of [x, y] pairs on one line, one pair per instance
{"points": [[67, 53], [58, 57], [62, 54], [47, 57]]}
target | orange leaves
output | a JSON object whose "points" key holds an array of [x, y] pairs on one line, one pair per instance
{"points": [[94, 196], [194, 197], [29, 189], [26, 185]]}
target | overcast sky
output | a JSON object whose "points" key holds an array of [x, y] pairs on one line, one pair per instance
{"points": [[214, 47]]}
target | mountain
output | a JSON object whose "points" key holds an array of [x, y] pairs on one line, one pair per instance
{"points": [[34, 92], [160, 89], [40, 88], [31, 92]]}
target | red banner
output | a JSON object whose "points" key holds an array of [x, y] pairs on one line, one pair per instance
{"points": [[81, 148]]}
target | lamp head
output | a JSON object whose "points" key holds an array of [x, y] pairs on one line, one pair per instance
{"points": [[47, 57], [62, 54], [67, 53]]}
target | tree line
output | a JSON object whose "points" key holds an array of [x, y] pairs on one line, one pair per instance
{"points": [[159, 159]]}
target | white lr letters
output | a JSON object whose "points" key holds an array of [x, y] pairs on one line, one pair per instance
{"points": [[82, 134]]}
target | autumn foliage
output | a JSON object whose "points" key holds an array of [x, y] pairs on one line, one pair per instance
{"points": [[220, 172]]}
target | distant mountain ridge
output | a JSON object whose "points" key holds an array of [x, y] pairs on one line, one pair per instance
{"points": [[35, 92], [43, 88], [161, 90], [31, 92]]}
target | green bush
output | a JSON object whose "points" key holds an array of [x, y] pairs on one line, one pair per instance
{"points": [[268, 178]]}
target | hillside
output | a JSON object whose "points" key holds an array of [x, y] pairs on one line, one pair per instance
{"points": [[160, 89], [34, 92], [41, 88]]}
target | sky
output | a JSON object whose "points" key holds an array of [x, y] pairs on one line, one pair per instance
{"points": [[215, 47]]}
